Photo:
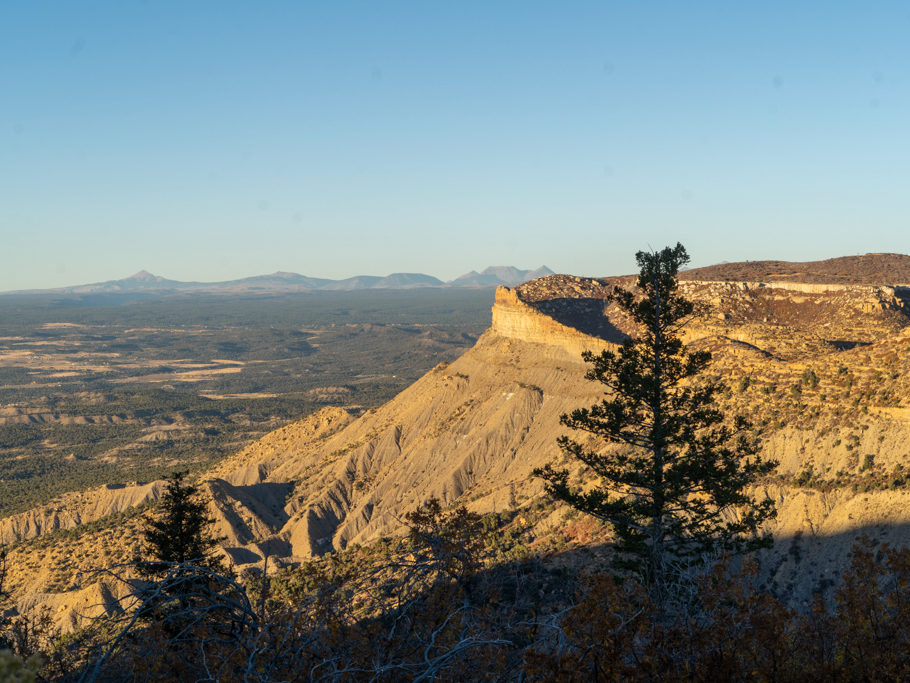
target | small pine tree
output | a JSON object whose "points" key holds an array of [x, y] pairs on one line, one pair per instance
{"points": [[3, 593], [669, 489], [181, 532]]}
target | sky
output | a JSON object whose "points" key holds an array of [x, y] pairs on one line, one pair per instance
{"points": [[217, 140]]}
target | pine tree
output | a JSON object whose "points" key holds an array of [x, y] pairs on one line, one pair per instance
{"points": [[181, 532], [190, 596], [674, 489]]}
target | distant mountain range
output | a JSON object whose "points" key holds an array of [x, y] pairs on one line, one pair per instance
{"points": [[144, 282], [499, 275]]}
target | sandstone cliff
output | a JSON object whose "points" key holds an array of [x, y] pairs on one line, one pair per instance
{"points": [[573, 324]]}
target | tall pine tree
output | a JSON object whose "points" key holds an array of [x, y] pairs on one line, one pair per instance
{"points": [[676, 487], [181, 531]]}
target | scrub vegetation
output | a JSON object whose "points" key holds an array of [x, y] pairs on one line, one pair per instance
{"points": [[105, 388]]}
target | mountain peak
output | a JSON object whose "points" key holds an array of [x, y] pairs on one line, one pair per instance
{"points": [[543, 271], [504, 272], [499, 275], [143, 276]]}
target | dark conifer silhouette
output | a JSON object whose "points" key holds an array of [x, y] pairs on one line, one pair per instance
{"points": [[181, 531], [675, 488]]}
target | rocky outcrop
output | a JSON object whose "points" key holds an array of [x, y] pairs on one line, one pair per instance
{"points": [[566, 325], [867, 298]]}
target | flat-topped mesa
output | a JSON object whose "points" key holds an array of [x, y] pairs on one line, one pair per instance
{"points": [[573, 324], [571, 314], [870, 269], [865, 298]]}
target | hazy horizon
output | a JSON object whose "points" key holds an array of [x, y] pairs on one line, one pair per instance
{"points": [[146, 272]]}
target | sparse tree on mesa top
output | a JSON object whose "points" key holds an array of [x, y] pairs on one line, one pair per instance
{"points": [[676, 488]]}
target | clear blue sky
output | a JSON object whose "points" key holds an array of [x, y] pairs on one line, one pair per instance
{"points": [[214, 140]]}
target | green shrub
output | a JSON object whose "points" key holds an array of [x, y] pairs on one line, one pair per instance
{"points": [[805, 477]]}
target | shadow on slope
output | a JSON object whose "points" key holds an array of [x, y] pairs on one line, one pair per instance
{"points": [[583, 314], [400, 611]]}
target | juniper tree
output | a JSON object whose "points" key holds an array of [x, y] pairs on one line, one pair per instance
{"points": [[674, 484]]}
